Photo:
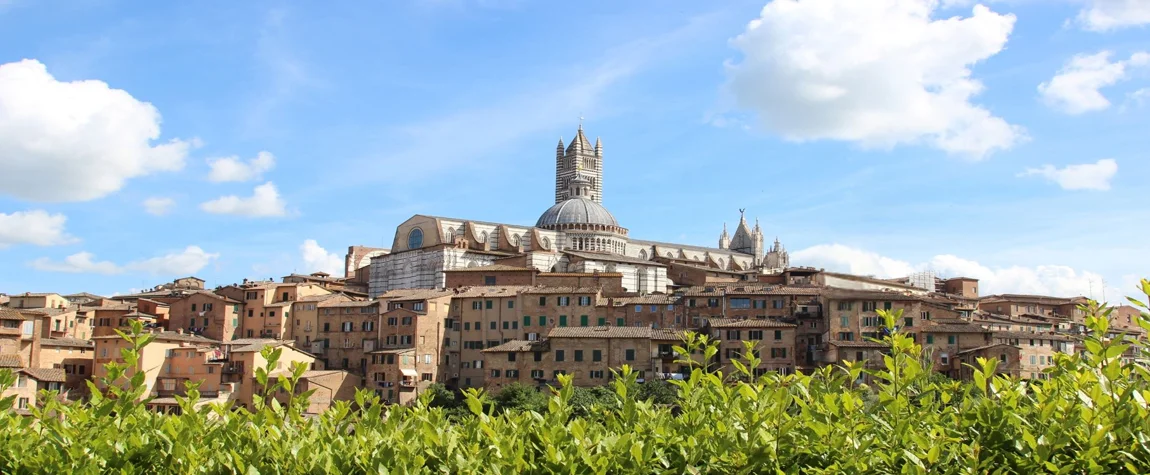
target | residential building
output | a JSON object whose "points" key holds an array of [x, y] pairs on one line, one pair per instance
{"points": [[304, 325], [1036, 350], [76, 358], [485, 317], [326, 386], [205, 313], [588, 354], [37, 300], [267, 306], [772, 341], [349, 330], [413, 343]]}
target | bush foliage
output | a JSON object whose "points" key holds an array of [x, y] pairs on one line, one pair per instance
{"points": [[1090, 416]]}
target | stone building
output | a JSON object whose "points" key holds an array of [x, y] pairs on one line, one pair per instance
{"points": [[576, 234], [772, 340]]}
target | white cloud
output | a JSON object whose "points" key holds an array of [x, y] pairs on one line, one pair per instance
{"points": [[1105, 15], [878, 73], [1055, 280], [33, 227], [316, 258], [82, 138], [188, 261], [264, 202], [234, 169], [78, 263], [159, 206], [1075, 89], [1087, 176]]}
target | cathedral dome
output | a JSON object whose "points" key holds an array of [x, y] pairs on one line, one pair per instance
{"points": [[578, 210]]}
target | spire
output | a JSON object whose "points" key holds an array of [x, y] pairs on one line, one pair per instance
{"points": [[758, 230], [724, 239], [742, 216], [560, 147]]}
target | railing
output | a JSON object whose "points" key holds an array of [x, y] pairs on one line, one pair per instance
{"points": [[407, 383], [233, 368]]}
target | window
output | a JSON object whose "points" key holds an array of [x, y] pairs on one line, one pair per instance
{"points": [[250, 312], [712, 303], [620, 322], [778, 335], [596, 374], [925, 315], [537, 374], [951, 339], [494, 325], [425, 376], [930, 339], [405, 321], [526, 321], [542, 301], [23, 403], [418, 306], [690, 302], [740, 303], [510, 356], [476, 305], [584, 301], [778, 352], [777, 303], [559, 355], [562, 320], [542, 321], [844, 305], [844, 321], [907, 322], [760, 304], [193, 307], [945, 359], [488, 280], [596, 355], [886, 306], [510, 304], [754, 334], [602, 321], [578, 355], [487, 304], [638, 309], [415, 239], [629, 355], [347, 326], [846, 336], [564, 301], [868, 306], [583, 320]]}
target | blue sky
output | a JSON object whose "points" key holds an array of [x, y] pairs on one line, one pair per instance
{"points": [[908, 136]]}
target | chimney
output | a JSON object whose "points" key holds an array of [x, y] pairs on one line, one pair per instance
{"points": [[179, 331]]}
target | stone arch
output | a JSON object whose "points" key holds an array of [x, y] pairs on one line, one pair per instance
{"points": [[450, 237], [643, 254], [483, 237]]}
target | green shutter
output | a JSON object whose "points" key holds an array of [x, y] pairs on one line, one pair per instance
{"points": [[602, 321], [620, 322], [562, 320], [526, 321], [582, 320], [542, 321]]}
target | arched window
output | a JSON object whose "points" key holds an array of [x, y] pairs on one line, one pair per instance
{"points": [[643, 254], [515, 240], [415, 239], [450, 235], [483, 237], [546, 243]]}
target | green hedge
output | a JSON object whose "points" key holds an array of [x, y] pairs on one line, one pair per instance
{"points": [[1090, 416]]}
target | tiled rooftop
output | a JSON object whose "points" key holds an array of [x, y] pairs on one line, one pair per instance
{"points": [[747, 323], [600, 332]]}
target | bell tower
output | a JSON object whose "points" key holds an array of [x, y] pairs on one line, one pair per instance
{"points": [[579, 159]]}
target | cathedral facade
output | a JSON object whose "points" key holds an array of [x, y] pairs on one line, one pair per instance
{"points": [[576, 234]]}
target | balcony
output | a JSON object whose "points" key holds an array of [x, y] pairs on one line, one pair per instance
{"points": [[234, 368], [407, 383]]}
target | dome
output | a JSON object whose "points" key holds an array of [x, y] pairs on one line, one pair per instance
{"points": [[576, 211]]}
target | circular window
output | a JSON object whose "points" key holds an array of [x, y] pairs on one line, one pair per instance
{"points": [[546, 243], [415, 239]]}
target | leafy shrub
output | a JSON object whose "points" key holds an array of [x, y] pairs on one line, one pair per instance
{"points": [[1090, 416]]}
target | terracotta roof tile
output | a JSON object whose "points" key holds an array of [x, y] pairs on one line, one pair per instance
{"points": [[858, 344], [747, 323], [414, 294], [349, 303], [953, 329], [11, 361], [600, 332], [649, 299], [515, 346], [546, 289], [68, 342], [11, 314], [46, 374], [491, 291]]}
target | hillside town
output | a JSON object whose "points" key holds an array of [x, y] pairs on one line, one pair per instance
{"points": [[474, 304]]}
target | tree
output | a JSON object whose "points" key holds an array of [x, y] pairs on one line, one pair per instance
{"points": [[659, 392], [520, 397]]}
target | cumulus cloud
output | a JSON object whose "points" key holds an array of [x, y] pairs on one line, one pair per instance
{"points": [[159, 206], [1076, 87], [83, 138], [316, 258], [878, 73], [188, 261], [1053, 280], [78, 263], [233, 169], [33, 227], [1105, 15], [1087, 176], [264, 202]]}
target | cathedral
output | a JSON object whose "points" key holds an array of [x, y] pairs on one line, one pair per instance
{"points": [[576, 234]]}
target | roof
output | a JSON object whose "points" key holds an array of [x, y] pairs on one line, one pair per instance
{"points": [[596, 256], [318, 298], [600, 332], [259, 346], [392, 351], [492, 291], [747, 323], [169, 336], [864, 278], [82, 295], [52, 312], [666, 334], [46, 374], [984, 347], [69, 342], [495, 268], [514, 346], [640, 242], [11, 314], [36, 294], [954, 329], [1040, 299], [576, 210], [703, 291], [1032, 336], [649, 299], [11, 361], [350, 303], [414, 294], [309, 374], [547, 289], [858, 344]]}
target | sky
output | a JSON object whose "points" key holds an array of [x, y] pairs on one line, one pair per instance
{"points": [[1006, 141]]}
